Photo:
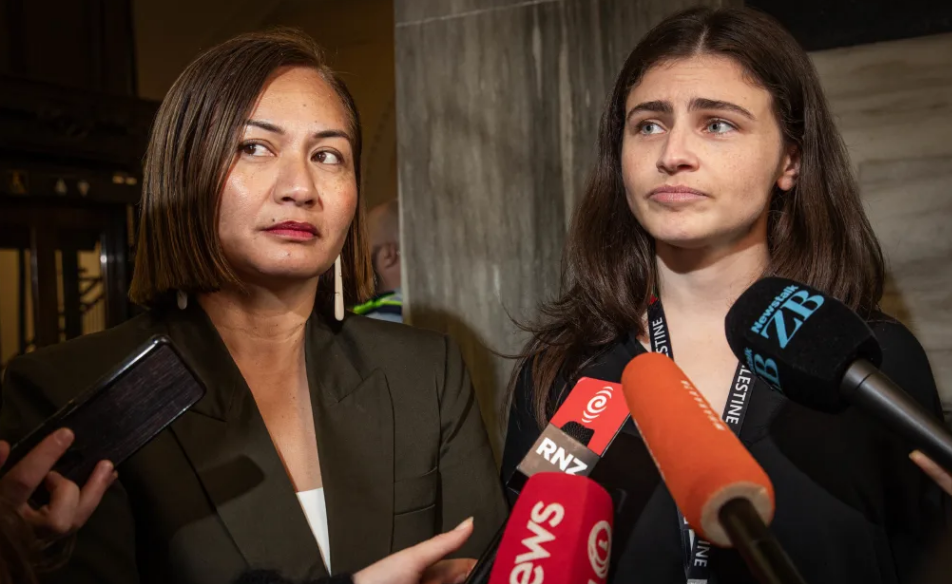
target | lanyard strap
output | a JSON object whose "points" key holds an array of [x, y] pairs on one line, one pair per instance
{"points": [[697, 552]]}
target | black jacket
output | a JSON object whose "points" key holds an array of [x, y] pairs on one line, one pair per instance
{"points": [[850, 505], [403, 453]]}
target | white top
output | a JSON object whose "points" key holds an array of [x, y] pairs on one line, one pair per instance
{"points": [[316, 512]]}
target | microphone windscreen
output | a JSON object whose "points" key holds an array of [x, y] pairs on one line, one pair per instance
{"points": [[578, 432], [799, 340], [559, 532], [702, 462]]}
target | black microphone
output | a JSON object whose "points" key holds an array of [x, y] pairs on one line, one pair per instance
{"points": [[819, 353], [572, 443]]}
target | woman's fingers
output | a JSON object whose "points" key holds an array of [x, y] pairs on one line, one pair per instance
{"points": [[69, 506], [58, 514], [4, 452], [436, 548], [448, 572], [411, 566], [936, 472], [104, 475], [20, 482]]}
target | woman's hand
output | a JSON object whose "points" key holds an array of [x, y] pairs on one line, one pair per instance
{"points": [[69, 507], [941, 476], [420, 563]]}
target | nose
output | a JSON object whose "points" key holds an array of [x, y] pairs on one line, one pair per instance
{"points": [[296, 184], [678, 154]]}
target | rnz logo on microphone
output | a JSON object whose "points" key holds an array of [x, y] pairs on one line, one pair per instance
{"points": [[780, 322], [527, 570], [597, 404], [558, 456]]}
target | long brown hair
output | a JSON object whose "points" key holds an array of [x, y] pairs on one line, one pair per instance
{"points": [[817, 232], [193, 145]]}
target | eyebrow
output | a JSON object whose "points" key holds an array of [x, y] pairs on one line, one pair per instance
{"points": [[269, 127], [701, 103], [698, 103]]}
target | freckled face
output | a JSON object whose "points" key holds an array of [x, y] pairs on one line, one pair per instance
{"points": [[702, 151]]}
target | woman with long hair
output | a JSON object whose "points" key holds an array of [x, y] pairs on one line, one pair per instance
{"points": [[325, 441], [719, 163]]}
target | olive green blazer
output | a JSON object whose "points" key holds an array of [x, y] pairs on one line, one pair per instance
{"points": [[403, 454]]}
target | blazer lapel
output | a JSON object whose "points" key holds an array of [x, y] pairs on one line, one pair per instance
{"points": [[353, 418], [229, 447]]}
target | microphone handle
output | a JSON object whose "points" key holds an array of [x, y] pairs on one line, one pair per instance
{"points": [[760, 549], [484, 565], [867, 387]]}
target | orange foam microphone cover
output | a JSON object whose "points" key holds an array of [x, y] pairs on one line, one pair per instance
{"points": [[702, 462]]}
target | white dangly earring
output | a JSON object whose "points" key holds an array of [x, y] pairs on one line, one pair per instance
{"points": [[338, 291], [181, 298]]}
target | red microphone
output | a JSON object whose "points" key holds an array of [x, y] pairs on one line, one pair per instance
{"points": [[559, 531], [578, 434], [720, 489], [572, 443]]}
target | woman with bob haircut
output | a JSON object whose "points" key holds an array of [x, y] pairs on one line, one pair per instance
{"points": [[719, 163], [325, 441]]}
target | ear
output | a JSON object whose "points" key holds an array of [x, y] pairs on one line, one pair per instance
{"points": [[388, 255], [789, 169]]}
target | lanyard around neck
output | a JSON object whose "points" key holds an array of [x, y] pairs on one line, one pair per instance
{"points": [[697, 552]]}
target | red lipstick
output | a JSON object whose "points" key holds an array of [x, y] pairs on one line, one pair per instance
{"points": [[293, 230]]}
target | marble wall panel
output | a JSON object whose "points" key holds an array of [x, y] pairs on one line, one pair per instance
{"points": [[893, 104], [497, 112]]}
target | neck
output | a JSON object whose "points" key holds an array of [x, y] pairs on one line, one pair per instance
{"points": [[389, 281], [261, 326], [704, 282]]}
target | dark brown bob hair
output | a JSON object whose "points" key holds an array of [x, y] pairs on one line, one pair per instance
{"points": [[193, 145], [818, 232]]}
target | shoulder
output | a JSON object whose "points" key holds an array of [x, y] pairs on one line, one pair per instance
{"points": [[893, 336], [374, 337], [401, 351], [606, 363], [904, 359], [63, 370]]}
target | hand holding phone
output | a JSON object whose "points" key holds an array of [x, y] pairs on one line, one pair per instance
{"points": [[118, 415], [69, 506]]}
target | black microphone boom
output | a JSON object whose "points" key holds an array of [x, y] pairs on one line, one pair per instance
{"points": [[870, 389], [757, 545], [820, 354]]}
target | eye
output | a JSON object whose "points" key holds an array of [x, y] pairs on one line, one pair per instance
{"points": [[720, 127], [649, 128], [253, 149], [328, 157]]}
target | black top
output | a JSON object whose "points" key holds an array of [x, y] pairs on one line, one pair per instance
{"points": [[850, 505]]}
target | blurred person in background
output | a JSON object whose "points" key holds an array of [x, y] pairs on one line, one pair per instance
{"points": [[384, 232]]}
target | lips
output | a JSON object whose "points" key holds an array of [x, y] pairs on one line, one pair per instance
{"points": [[676, 194], [293, 229]]}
